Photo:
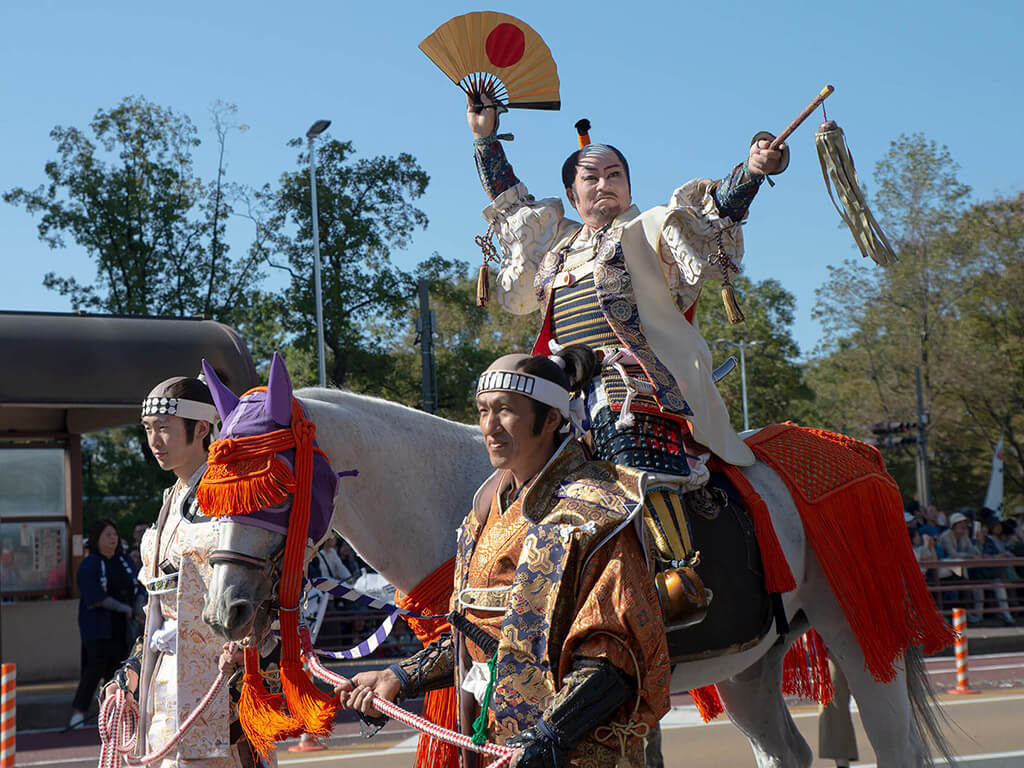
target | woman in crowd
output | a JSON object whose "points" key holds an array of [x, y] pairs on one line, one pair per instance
{"points": [[108, 587]]}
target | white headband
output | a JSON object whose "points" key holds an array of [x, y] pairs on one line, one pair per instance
{"points": [[177, 406], [536, 388], [541, 390]]}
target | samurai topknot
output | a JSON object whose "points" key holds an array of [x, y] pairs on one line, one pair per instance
{"points": [[573, 161]]}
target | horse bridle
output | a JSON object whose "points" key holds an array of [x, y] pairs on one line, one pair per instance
{"points": [[269, 565]]}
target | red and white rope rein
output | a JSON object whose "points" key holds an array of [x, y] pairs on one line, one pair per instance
{"points": [[394, 711], [119, 722], [119, 728]]}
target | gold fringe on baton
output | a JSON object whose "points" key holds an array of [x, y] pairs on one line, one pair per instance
{"points": [[837, 165]]}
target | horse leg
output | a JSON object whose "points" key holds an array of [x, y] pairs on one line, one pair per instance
{"points": [[753, 699], [885, 709]]}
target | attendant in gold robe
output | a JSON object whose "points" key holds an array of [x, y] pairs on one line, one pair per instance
{"points": [[557, 632]]}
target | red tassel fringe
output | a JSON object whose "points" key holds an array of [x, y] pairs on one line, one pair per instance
{"points": [[261, 713], [805, 670], [855, 527], [708, 702], [310, 706], [243, 487]]}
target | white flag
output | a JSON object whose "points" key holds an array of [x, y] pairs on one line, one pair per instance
{"points": [[994, 495]]}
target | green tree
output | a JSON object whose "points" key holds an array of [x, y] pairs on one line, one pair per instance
{"points": [[986, 381], [365, 209], [126, 191], [467, 339], [949, 308], [775, 387]]}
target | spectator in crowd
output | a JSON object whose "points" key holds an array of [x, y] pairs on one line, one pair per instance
{"points": [[930, 526], [957, 540], [1011, 537], [992, 546], [924, 546], [331, 565], [352, 562], [107, 582], [959, 545]]}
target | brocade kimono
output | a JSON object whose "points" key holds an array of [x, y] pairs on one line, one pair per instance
{"points": [[648, 269], [557, 575], [180, 651]]}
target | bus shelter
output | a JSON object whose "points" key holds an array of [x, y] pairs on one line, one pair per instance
{"points": [[62, 375]]}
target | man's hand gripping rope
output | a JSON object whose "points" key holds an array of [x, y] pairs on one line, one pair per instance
{"points": [[369, 700]]}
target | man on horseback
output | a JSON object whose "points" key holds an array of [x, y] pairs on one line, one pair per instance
{"points": [[626, 283], [557, 631], [175, 661]]}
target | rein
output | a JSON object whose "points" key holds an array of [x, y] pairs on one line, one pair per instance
{"points": [[456, 739], [119, 722]]}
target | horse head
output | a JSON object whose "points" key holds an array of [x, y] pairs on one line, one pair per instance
{"points": [[250, 485]]}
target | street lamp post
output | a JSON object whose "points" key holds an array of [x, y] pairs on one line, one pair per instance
{"points": [[315, 130], [742, 346]]}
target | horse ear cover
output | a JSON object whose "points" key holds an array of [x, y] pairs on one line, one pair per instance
{"points": [[223, 397], [279, 393]]}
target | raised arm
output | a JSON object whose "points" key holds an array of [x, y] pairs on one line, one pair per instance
{"points": [[525, 228], [702, 232]]}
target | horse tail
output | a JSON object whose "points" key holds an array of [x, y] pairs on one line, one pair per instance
{"points": [[930, 719]]}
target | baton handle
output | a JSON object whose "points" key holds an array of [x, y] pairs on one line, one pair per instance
{"points": [[825, 93]]}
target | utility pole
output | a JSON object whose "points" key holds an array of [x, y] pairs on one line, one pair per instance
{"points": [[426, 334], [923, 496], [315, 130]]}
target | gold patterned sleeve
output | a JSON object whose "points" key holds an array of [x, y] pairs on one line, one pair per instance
{"points": [[526, 229], [618, 618]]}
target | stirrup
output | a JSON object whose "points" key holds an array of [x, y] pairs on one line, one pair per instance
{"points": [[684, 598]]}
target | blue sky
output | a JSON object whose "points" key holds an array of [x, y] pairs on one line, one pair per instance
{"points": [[679, 87]]}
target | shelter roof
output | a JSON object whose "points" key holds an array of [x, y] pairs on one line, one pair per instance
{"points": [[74, 373]]}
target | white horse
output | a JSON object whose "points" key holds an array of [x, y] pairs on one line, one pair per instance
{"points": [[417, 475]]}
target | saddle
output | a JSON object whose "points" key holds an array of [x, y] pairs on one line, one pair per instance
{"points": [[721, 550]]}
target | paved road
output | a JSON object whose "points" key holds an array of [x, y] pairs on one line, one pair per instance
{"points": [[990, 734]]}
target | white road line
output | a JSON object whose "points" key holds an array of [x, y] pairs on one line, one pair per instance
{"points": [[976, 668], [1008, 654], [965, 758]]}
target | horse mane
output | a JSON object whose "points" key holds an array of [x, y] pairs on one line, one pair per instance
{"points": [[416, 421]]}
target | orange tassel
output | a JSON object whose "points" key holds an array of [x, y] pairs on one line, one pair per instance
{"points": [[260, 712], [440, 707], [708, 702], [311, 707], [431, 596], [243, 487]]}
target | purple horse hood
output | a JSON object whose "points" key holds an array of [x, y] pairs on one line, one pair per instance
{"points": [[251, 415]]}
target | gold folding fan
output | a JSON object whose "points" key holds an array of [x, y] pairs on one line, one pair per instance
{"points": [[497, 53]]}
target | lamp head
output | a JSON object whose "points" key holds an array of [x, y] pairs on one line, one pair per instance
{"points": [[317, 128]]}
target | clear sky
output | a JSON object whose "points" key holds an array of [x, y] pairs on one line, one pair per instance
{"points": [[680, 87]]}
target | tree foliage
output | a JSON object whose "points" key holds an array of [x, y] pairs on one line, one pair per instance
{"points": [[127, 192], [775, 388], [364, 210], [467, 339], [949, 308]]}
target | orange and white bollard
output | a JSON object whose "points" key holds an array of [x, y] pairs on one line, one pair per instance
{"points": [[7, 680], [960, 627]]}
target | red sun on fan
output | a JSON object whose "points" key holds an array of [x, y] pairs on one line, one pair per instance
{"points": [[505, 45]]}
